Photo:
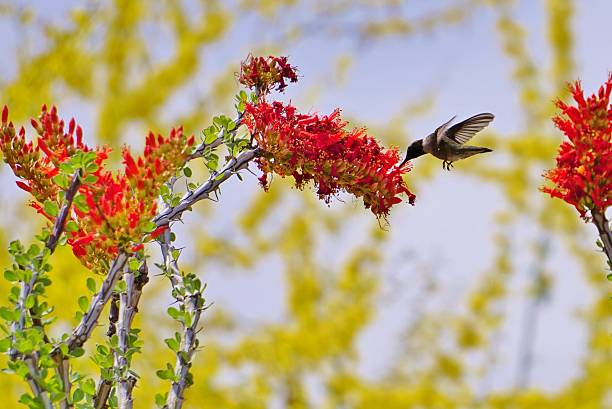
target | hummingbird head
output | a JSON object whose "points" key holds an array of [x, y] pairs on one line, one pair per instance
{"points": [[415, 150]]}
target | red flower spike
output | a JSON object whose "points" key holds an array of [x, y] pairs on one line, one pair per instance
{"points": [[264, 74], [320, 149], [583, 175], [119, 205], [4, 115]]}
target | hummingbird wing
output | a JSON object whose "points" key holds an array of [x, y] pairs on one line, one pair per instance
{"points": [[440, 131], [465, 130]]}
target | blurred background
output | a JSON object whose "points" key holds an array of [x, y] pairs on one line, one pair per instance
{"points": [[485, 294]]}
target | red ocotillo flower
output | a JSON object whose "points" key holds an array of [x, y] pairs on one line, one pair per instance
{"points": [[264, 74], [583, 175], [112, 210], [320, 149]]}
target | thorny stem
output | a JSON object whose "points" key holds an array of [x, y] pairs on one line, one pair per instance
{"points": [[193, 304], [128, 307], [60, 222], [193, 196], [63, 366], [603, 227], [199, 150], [62, 362], [83, 331]]}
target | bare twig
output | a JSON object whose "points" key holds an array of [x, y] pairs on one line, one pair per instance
{"points": [[190, 198], [603, 227]]}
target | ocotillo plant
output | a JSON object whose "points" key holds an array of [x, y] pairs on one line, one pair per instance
{"points": [[583, 175], [109, 218]]}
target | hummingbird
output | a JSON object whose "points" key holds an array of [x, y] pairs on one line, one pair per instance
{"points": [[448, 144]]}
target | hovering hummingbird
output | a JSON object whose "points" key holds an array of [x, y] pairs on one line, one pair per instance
{"points": [[448, 144]]}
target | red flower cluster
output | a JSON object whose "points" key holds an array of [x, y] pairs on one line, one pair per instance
{"points": [[583, 176], [264, 74], [27, 161], [321, 149], [112, 211]]}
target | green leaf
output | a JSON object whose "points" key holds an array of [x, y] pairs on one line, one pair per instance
{"points": [[210, 138], [91, 284], [81, 203], [71, 226], [89, 387], [91, 167], [6, 314], [51, 208], [187, 172], [30, 301], [134, 264], [174, 313], [78, 395], [90, 179], [160, 400], [10, 275], [609, 277], [83, 303], [61, 180], [77, 352], [66, 167], [5, 344], [172, 344]]}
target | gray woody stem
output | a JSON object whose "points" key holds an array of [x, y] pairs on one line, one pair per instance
{"points": [[128, 307], [193, 307], [603, 227], [60, 222], [124, 391], [83, 331], [191, 197]]}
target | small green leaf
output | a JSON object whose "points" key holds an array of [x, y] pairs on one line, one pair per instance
{"points": [[160, 400], [609, 277], [77, 352], [66, 167], [172, 344], [30, 301], [71, 226], [5, 344], [10, 275], [83, 303], [134, 264], [91, 284], [89, 387], [78, 395], [90, 179], [174, 313], [61, 180], [81, 203], [51, 208], [6, 314], [187, 172]]}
